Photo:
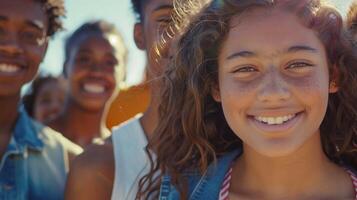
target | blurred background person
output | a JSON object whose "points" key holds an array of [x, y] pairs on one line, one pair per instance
{"points": [[113, 169], [44, 99], [95, 59], [34, 158]]}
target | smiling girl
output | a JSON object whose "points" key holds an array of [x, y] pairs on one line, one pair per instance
{"points": [[95, 67], [259, 103]]}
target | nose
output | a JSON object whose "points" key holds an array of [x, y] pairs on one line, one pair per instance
{"points": [[274, 89], [10, 46]]}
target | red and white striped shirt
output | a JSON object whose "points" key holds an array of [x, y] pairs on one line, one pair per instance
{"points": [[224, 193]]}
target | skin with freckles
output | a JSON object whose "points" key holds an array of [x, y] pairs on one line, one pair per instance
{"points": [[255, 87], [285, 75]]}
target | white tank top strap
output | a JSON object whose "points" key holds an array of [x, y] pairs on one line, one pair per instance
{"points": [[131, 161]]}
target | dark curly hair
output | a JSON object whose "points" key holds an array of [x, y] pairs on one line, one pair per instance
{"points": [[55, 11], [137, 8], [192, 131]]}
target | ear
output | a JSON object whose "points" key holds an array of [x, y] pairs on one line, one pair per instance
{"points": [[216, 94], [333, 86], [139, 36]]}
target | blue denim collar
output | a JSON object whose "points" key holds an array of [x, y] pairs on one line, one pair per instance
{"points": [[204, 186], [26, 132]]}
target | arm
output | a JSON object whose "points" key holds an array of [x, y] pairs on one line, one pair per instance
{"points": [[92, 174]]}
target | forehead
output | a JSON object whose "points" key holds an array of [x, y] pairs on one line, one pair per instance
{"points": [[150, 6], [23, 10], [269, 31], [97, 40]]}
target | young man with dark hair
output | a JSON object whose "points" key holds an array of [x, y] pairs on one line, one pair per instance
{"points": [[113, 169], [34, 158]]}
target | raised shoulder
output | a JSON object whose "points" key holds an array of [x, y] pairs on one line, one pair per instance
{"points": [[92, 173]]}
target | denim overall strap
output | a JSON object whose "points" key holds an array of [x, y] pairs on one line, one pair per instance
{"points": [[205, 187]]}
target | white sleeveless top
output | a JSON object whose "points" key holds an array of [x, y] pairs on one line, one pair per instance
{"points": [[131, 161]]}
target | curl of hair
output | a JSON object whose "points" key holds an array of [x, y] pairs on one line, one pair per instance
{"points": [[351, 21], [55, 11], [192, 131]]}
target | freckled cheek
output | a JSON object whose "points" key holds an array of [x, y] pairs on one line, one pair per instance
{"points": [[236, 94], [313, 90], [309, 83]]}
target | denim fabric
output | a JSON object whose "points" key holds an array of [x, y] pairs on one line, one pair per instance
{"points": [[35, 163], [201, 187]]}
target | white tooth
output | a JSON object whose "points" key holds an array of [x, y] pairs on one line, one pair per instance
{"points": [[8, 68], [264, 119], [271, 120], [94, 88], [285, 118], [279, 120]]}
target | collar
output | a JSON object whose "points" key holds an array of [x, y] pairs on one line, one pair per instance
{"points": [[26, 132]]}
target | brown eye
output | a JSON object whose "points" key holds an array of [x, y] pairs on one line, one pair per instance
{"points": [[30, 37], [298, 65], [245, 69], [83, 60]]}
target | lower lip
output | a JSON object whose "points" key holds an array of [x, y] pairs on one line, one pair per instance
{"points": [[277, 127]]}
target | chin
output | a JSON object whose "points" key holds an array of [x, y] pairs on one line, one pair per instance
{"points": [[277, 150]]}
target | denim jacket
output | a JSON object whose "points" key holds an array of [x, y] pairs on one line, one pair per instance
{"points": [[35, 163], [208, 185], [201, 187]]}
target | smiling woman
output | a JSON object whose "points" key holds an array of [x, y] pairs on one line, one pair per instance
{"points": [[94, 68], [258, 104]]}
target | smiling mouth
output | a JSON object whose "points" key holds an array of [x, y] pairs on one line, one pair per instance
{"points": [[275, 120], [281, 123], [9, 68], [94, 88]]}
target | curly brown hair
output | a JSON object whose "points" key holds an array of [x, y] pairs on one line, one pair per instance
{"points": [[192, 131], [55, 11], [351, 20]]}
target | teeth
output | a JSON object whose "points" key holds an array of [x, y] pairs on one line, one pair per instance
{"points": [[6, 68], [274, 120], [94, 88]]}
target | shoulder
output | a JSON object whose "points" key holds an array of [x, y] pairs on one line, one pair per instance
{"points": [[53, 139], [94, 171]]}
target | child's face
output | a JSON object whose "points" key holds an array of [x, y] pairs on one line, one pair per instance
{"points": [[49, 101], [273, 82], [92, 70], [23, 42]]}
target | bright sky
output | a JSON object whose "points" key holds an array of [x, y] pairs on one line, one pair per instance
{"points": [[118, 12]]}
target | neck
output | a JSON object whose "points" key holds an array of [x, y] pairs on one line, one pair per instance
{"points": [[81, 125], [307, 171], [8, 114], [150, 118]]}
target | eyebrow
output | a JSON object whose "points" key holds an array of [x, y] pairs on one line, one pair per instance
{"points": [[244, 54], [163, 7], [35, 24], [298, 48], [293, 49]]}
